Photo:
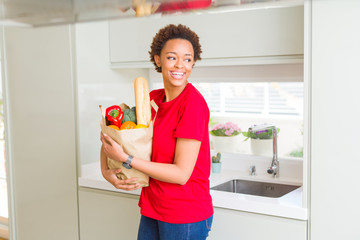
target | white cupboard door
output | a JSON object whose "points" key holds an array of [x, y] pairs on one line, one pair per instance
{"points": [[40, 136], [334, 80], [108, 215], [252, 33]]}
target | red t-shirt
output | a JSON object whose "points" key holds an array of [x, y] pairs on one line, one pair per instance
{"points": [[186, 116]]}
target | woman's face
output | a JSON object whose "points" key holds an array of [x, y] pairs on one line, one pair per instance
{"points": [[176, 60]]}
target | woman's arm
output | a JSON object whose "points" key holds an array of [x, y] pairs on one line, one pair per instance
{"points": [[186, 153], [110, 175]]}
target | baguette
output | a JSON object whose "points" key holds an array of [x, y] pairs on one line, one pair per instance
{"points": [[142, 101]]}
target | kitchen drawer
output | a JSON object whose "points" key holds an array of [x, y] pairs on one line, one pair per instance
{"points": [[242, 225]]}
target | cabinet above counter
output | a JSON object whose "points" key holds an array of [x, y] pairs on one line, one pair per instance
{"points": [[241, 37]]}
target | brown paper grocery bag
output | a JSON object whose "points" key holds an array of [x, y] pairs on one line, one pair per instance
{"points": [[135, 142]]}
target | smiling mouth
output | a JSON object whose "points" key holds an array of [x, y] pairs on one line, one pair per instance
{"points": [[177, 74]]}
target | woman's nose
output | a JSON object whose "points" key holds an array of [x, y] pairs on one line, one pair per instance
{"points": [[178, 64]]}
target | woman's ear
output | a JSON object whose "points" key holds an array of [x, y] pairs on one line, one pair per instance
{"points": [[157, 60]]}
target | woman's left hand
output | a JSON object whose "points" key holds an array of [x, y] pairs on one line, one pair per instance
{"points": [[112, 149]]}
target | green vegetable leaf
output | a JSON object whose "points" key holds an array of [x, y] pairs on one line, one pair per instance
{"points": [[259, 135], [125, 119], [130, 115]]}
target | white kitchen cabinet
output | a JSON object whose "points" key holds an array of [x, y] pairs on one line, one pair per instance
{"points": [[108, 215], [229, 36], [234, 225], [105, 214], [40, 132], [333, 74]]}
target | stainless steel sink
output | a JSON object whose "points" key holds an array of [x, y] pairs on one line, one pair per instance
{"points": [[273, 190]]}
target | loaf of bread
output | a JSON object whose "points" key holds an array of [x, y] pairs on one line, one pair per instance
{"points": [[142, 101]]}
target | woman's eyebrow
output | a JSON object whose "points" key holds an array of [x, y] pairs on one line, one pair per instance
{"points": [[186, 54]]}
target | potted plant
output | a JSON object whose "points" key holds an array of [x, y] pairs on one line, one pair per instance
{"points": [[215, 163], [261, 141], [298, 152], [223, 136]]}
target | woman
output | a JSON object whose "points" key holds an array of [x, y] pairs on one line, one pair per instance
{"points": [[177, 204]]}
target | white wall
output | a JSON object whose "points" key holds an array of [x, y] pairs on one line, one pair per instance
{"points": [[98, 84]]}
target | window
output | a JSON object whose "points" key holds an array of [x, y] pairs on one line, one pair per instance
{"points": [[248, 103], [266, 99]]}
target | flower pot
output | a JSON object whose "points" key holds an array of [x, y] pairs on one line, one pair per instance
{"points": [[262, 147], [216, 167], [224, 144]]}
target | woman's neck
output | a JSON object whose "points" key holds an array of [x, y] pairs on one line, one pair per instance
{"points": [[172, 92]]}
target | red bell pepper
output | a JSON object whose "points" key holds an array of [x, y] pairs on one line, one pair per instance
{"points": [[114, 115]]}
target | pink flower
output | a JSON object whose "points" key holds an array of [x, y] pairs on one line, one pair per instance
{"points": [[225, 129], [217, 126], [229, 132]]}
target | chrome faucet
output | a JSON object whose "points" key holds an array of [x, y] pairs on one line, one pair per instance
{"points": [[252, 170], [274, 168]]}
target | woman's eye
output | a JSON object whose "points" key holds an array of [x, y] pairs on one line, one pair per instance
{"points": [[188, 60], [171, 58]]}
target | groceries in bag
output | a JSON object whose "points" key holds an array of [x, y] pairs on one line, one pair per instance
{"points": [[135, 132]]}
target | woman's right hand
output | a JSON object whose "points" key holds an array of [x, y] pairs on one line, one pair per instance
{"points": [[110, 176]]}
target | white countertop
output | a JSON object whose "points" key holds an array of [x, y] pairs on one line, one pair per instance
{"points": [[288, 206]]}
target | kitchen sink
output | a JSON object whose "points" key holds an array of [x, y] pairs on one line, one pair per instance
{"points": [[265, 189]]}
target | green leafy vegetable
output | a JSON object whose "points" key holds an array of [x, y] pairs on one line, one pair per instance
{"points": [[130, 115]]}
